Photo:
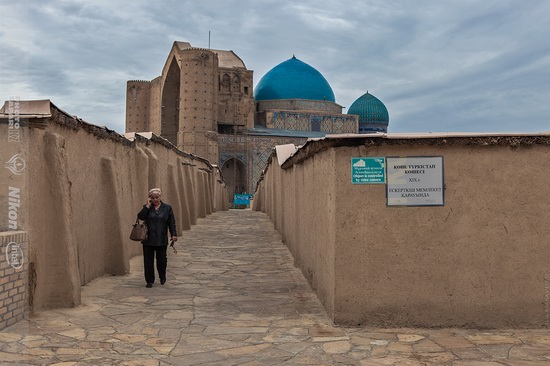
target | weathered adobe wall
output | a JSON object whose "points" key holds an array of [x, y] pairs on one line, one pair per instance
{"points": [[86, 186], [300, 203], [481, 260]]}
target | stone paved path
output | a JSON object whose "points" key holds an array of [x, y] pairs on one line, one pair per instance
{"points": [[233, 297]]}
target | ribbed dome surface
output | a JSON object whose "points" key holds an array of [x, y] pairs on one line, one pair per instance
{"points": [[371, 111], [293, 79]]}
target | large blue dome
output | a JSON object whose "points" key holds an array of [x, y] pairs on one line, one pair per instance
{"points": [[293, 79]]}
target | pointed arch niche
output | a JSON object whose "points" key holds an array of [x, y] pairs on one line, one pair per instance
{"points": [[226, 83], [234, 173], [236, 83], [169, 125]]}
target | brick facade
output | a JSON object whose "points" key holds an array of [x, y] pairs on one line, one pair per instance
{"points": [[14, 268], [198, 90], [203, 103], [253, 152], [319, 106]]}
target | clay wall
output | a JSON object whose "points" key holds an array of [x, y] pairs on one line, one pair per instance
{"points": [[85, 187], [300, 202], [480, 260]]}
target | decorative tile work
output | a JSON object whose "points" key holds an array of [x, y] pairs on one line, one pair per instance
{"points": [[259, 161], [338, 126], [253, 151], [227, 155], [303, 121], [294, 121], [326, 125], [263, 146]]}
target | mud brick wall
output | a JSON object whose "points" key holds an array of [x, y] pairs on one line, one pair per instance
{"points": [[480, 260]]}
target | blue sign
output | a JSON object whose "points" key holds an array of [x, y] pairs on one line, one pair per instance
{"points": [[242, 198], [368, 170]]}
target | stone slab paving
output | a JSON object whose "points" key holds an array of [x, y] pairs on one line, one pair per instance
{"points": [[233, 297]]}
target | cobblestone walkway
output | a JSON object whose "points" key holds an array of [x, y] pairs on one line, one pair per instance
{"points": [[233, 297]]}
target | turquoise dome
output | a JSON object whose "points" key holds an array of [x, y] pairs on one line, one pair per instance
{"points": [[293, 79], [373, 114]]}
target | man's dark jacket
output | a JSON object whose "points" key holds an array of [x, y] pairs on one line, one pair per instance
{"points": [[158, 223]]}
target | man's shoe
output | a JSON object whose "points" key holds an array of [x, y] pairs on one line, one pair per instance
{"points": [[162, 281], [149, 285]]}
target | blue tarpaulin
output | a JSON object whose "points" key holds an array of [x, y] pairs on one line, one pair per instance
{"points": [[242, 198]]}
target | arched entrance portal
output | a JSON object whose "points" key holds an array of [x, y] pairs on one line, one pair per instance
{"points": [[234, 173], [169, 125]]}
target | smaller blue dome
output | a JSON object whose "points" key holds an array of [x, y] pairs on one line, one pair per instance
{"points": [[293, 79], [373, 114]]}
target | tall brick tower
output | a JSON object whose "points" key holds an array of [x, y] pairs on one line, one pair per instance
{"points": [[199, 93], [198, 100]]}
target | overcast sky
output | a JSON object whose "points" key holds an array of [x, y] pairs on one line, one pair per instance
{"points": [[454, 65]]}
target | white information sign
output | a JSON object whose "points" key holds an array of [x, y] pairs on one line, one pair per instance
{"points": [[415, 181]]}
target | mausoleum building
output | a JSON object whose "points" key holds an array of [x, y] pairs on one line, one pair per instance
{"points": [[204, 103]]}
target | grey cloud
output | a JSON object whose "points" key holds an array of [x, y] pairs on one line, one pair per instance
{"points": [[468, 65]]}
